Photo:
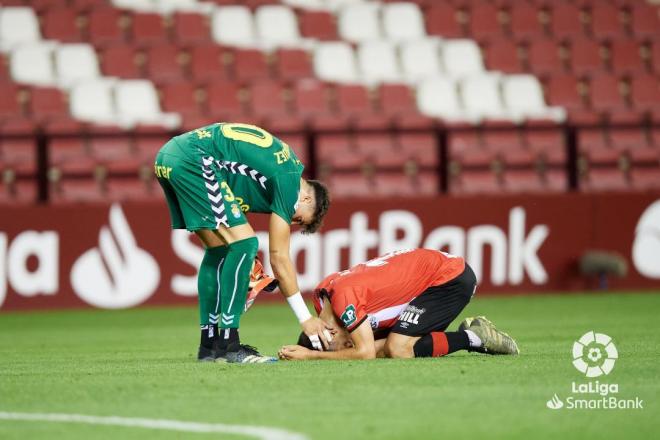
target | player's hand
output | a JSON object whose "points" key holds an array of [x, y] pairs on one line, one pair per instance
{"points": [[318, 332], [294, 353]]}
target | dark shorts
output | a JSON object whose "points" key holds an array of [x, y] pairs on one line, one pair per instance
{"points": [[437, 306]]}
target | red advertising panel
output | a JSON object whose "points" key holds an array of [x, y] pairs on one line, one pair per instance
{"points": [[118, 256]]}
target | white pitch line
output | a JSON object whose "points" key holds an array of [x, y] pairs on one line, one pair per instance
{"points": [[263, 433]]}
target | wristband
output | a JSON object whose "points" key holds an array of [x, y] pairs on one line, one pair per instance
{"points": [[299, 307]]}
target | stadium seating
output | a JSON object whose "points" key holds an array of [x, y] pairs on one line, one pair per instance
{"points": [[347, 66]]}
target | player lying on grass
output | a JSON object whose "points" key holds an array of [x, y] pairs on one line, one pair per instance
{"points": [[399, 306]]}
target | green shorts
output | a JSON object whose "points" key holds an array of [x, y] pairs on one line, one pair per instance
{"points": [[196, 190]]}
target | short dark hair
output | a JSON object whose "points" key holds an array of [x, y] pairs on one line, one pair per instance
{"points": [[304, 340], [322, 200]]}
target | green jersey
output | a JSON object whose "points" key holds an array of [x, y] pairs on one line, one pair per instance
{"points": [[262, 172]]}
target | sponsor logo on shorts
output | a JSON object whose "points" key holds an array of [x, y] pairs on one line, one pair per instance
{"points": [[410, 316], [349, 315], [373, 321]]}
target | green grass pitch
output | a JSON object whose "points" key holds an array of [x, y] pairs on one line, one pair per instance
{"points": [[140, 363]]}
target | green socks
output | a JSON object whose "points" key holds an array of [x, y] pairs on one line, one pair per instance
{"points": [[208, 285], [234, 279]]}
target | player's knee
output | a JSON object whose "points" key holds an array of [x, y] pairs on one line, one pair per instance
{"points": [[398, 350]]}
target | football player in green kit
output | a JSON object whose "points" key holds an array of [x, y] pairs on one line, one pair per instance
{"points": [[210, 177]]}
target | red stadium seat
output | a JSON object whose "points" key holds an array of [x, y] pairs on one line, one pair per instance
{"points": [[147, 147], [605, 94], [180, 97], [548, 145], [148, 29], [604, 180], [475, 182], [645, 179], [337, 152], [345, 186], [89, 4], [105, 26], [4, 73], [585, 56], [268, 99], [116, 154], [525, 21], [120, 189], [645, 92], [500, 140], [625, 57], [311, 98], [627, 138], [223, 101], [9, 100], [76, 191], [353, 100], [163, 63], [293, 64], [563, 90], [421, 148], [120, 61], [47, 103], [484, 21], [523, 181], [605, 21], [645, 19], [191, 28], [396, 99], [18, 192], [442, 20], [543, 57], [378, 149], [394, 185], [207, 62], [19, 156], [60, 24], [317, 24], [502, 55], [565, 20], [250, 65]]}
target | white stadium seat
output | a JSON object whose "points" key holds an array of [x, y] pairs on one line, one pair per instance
{"points": [[438, 98], [403, 22], [164, 6], [137, 103], [360, 22], [461, 58], [18, 25], [523, 96], [92, 101], [335, 61], [234, 26], [378, 62], [277, 26], [481, 97], [33, 64], [420, 59], [75, 62]]}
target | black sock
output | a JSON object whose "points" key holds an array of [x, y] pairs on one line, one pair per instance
{"points": [[228, 336], [441, 343], [209, 334], [457, 341]]}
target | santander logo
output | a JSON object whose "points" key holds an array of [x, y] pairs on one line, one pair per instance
{"points": [[646, 247], [116, 274]]}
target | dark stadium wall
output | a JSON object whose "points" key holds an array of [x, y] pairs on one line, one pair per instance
{"points": [[124, 255]]}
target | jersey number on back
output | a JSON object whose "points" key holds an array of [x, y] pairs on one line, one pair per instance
{"points": [[248, 133]]}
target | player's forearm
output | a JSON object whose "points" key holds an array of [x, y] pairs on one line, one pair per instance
{"points": [[347, 354], [285, 273]]}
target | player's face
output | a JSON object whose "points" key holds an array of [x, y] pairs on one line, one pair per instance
{"points": [[341, 340], [304, 214]]}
